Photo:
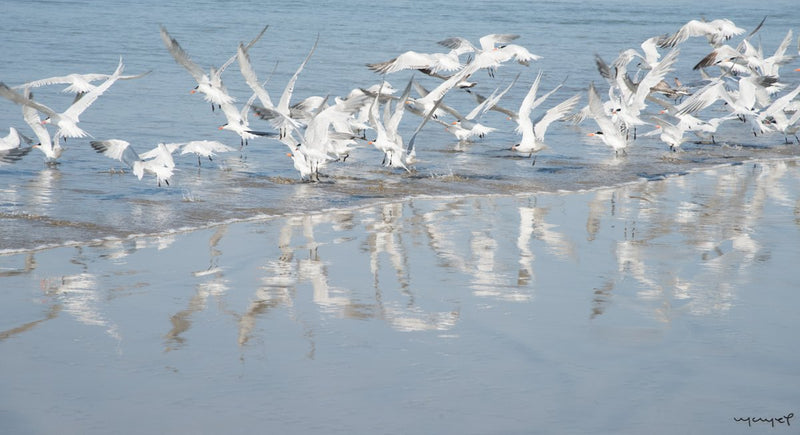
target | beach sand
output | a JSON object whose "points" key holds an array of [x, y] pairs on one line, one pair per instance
{"points": [[655, 307]]}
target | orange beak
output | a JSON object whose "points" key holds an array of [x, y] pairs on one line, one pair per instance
{"points": [[454, 123], [590, 134], [193, 91], [288, 154], [220, 128]]}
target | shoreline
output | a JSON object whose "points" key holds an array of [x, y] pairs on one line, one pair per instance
{"points": [[373, 203]]}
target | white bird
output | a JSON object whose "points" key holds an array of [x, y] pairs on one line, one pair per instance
{"points": [[393, 152], [10, 150], [280, 116], [669, 133], [728, 59], [200, 148], [716, 32], [161, 164], [13, 139], [49, 145], [238, 123], [209, 84], [704, 129], [79, 84], [610, 131], [66, 121], [428, 63], [489, 56], [205, 148], [770, 66], [425, 104], [250, 77], [629, 108], [774, 116], [465, 128], [533, 131]]}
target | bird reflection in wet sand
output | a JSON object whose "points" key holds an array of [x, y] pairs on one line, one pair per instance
{"points": [[441, 239], [384, 235], [723, 228], [52, 311], [385, 227], [526, 256], [278, 285], [533, 226], [28, 267], [213, 283], [78, 295], [716, 223]]}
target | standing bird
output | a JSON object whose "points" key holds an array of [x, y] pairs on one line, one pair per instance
{"points": [[611, 133], [533, 131]]}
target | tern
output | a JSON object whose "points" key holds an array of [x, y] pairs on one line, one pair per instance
{"points": [[716, 32], [49, 145], [79, 84], [490, 56], [200, 148], [209, 84], [386, 140], [10, 150], [467, 127], [533, 131], [280, 116], [428, 63], [669, 133], [610, 131], [66, 121], [161, 164]]}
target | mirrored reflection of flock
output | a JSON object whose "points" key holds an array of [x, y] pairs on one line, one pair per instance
{"points": [[737, 81], [678, 247]]}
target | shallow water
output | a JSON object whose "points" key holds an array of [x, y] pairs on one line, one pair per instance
{"points": [[87, 198], [651, 293]]}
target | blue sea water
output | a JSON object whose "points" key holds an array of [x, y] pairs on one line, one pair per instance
{"points": [[590, 293]]}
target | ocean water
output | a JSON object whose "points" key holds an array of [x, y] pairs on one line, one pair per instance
{"points": [[588, 293], [87, 198]]}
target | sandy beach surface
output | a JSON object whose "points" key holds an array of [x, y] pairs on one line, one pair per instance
{"points": [[660, 306]]}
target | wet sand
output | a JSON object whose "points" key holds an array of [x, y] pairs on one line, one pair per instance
{"points": [[655, 307]]}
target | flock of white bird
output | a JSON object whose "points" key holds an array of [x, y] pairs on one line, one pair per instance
{"points": [[319, 130]]}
